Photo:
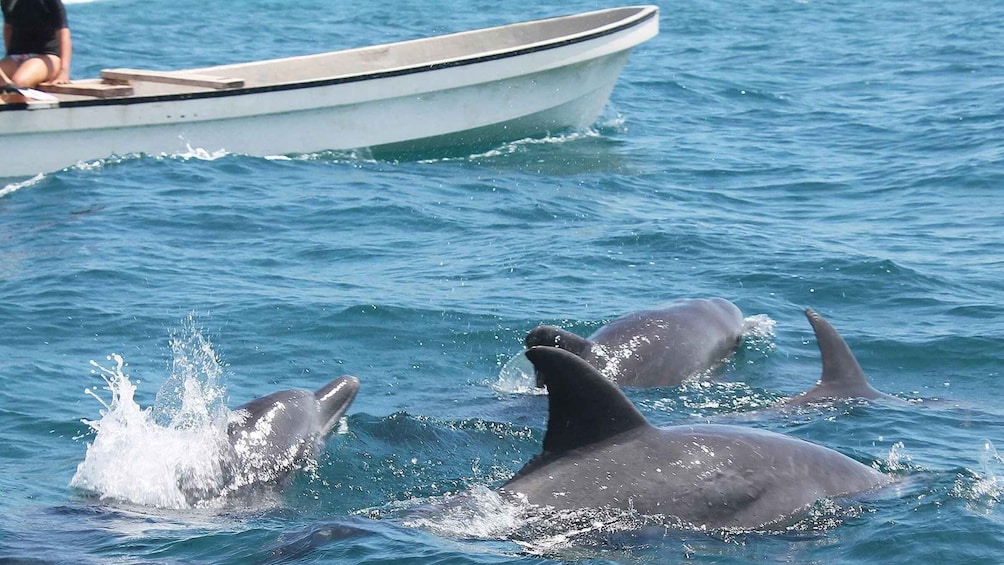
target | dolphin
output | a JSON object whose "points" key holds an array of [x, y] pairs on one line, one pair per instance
{"points": [[272, 436], [661, 346], [600, 452], [842, 376]]}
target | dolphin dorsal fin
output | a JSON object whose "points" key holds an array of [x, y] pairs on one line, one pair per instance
{"points": [[584, 407], [842, 375]]}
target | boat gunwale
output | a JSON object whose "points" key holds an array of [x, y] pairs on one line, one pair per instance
{"points": [[643, 14]]}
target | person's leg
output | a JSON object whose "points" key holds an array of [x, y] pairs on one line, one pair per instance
{"points": [[36, 70], [7, 68]]}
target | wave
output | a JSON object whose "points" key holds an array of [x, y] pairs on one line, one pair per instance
{"points": [[14, 187]]}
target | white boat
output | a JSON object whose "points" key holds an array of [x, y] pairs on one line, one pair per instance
{"points": [[477, 87]]}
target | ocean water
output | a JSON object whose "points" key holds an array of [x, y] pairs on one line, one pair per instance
{"points": [[843, 156]]}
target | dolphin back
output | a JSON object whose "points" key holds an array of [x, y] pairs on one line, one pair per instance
{"points": [[272, 436], [557, 337], [661, 346], [600, 452]]}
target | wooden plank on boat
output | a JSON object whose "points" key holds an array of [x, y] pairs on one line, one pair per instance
{"points": [[96, 90], [172, 77]]}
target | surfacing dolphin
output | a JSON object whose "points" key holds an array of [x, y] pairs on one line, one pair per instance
{"points": [[272, 436], [600, 452], [661, 346], [842, 376]]}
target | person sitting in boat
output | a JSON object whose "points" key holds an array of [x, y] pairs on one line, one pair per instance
{"points": [[37, 42]]}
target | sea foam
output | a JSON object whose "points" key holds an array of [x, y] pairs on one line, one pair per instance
{"points": [[169, 455]]}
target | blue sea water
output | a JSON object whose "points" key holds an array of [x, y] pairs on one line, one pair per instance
{"points": [[843, 156]]}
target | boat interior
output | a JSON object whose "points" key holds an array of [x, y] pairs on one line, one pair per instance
{"points": [[386, 58]]}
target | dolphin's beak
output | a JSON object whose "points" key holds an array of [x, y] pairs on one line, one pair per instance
{"points": [[334, 399]]}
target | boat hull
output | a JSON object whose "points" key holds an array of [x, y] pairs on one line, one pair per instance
{"points": [[469, 104]]}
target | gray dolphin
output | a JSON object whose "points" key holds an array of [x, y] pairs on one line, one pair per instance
{"points": [[599, 451], [842, 376], [273, 435], [661, 346]]}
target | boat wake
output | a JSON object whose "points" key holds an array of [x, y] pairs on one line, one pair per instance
{"points": [[14, 187], [196, 153], [609, 122], [360, 155], [367, 155], [186, 153], [525, 144]]}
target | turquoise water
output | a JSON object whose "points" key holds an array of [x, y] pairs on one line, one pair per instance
{"points": [[844, 156]]}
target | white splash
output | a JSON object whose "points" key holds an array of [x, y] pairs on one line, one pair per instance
{"points": [[984, 489], [898, 459], [193, 395], [479, 514], [167, 456], [482, 513], [759, 330], [15, 186], [197, 153], [517, 376], [990, 484]]}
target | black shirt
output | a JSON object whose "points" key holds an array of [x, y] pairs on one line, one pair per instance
{"points": [[34, 24]]}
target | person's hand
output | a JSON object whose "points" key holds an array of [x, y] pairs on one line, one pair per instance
{"points": [[62, 78]]}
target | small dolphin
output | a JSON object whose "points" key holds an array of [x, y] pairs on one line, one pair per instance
{"points": [[273, 435], [599, 451], [661, 346], [842, 375]]}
